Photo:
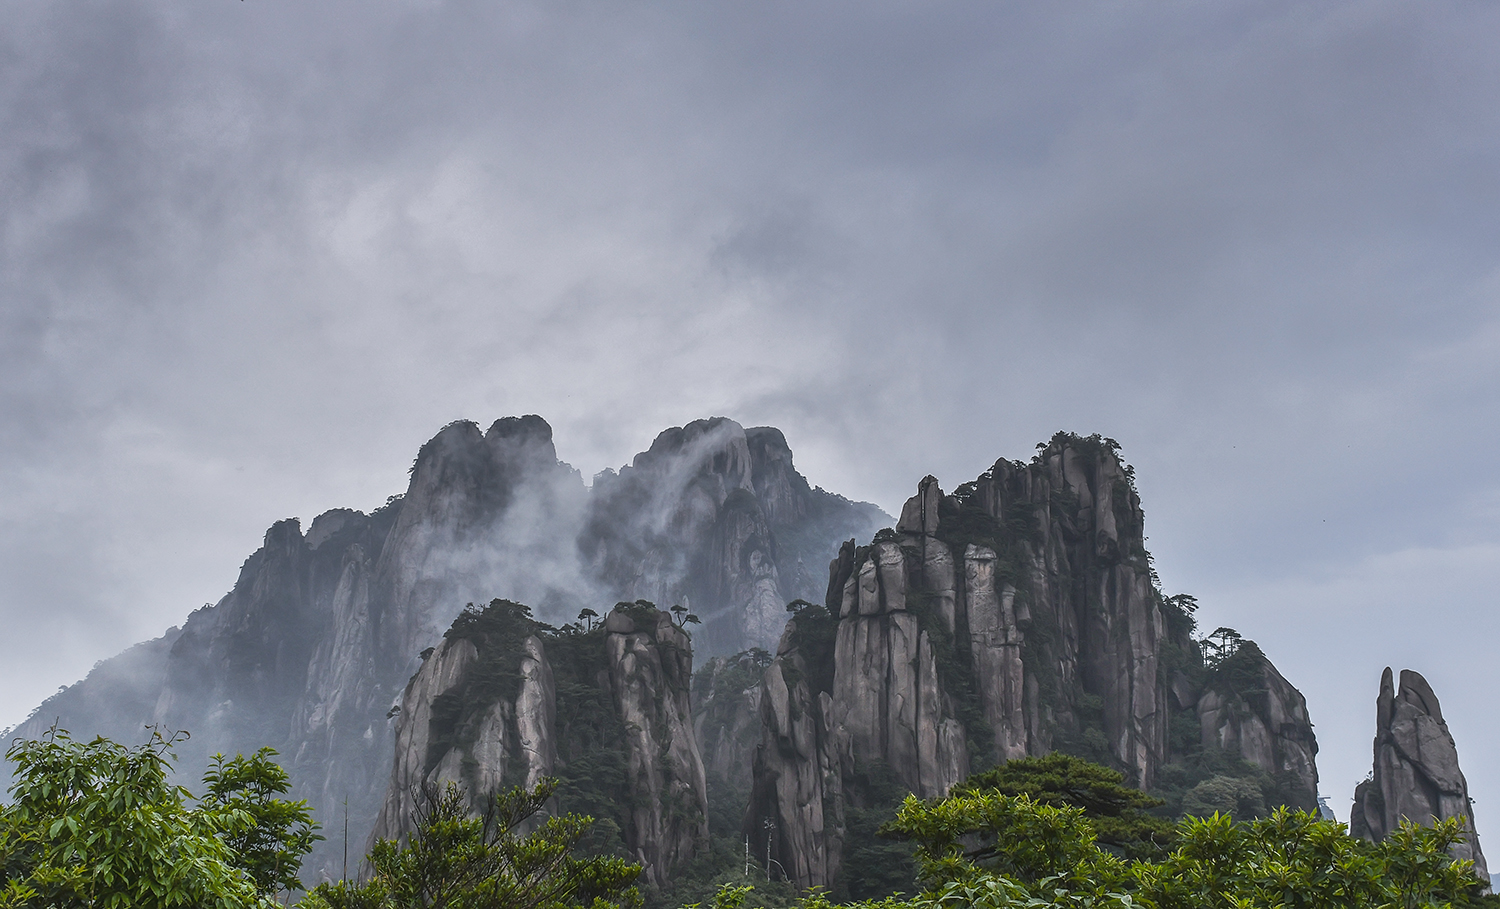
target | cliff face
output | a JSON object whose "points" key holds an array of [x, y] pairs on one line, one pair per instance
{"points": [[1416, 775], [322, 630], [797, 796], [715, 518], [1015, 617], [483, 712], [726, 711], [1265, 723]]}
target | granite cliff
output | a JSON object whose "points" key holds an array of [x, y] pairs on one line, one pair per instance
{"points": [[1016, 617], [505, 700], [715, 518], [323, 629], [1416, 775]]}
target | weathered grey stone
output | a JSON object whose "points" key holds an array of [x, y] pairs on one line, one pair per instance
{"points": [[442, 672], [797, 776], [869, 588], [1416, 776], [650, 672], [920, 513], [1271, 731], [995, 642], [714, 517], [1060, 622], [319, 635], [938, 575], [726, 717], [536, 718], [892, 567]]}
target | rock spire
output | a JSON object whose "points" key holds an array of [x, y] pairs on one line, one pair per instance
{"points": [[1416, 775]]}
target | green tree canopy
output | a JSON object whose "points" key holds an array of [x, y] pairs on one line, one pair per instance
{"points": [[269, 835], [982, 847], [1117, 812], [455, 861], [97, 824]]}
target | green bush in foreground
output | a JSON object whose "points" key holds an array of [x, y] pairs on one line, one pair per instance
{"points": [[455, 861], [989, 850], [97, 824]]}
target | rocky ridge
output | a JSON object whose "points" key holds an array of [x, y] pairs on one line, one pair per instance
{"points": [[1018, 616], [1416, 775]]}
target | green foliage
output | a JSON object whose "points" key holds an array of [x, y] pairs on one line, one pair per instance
{"points": [[953, 656], [1293, 859], [873, 862], [642, 612], [720, 870], [1230, 796], [592, 769], [592, 766], [722, 693], [1118, 813], [1180, 611], [97, 824], [1223, 781], [271, 834], [813, 629], [1029, 842], [455, 861], [980, 847]]}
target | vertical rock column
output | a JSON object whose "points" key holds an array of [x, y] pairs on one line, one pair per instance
{"points": [[1416, 775], [797, 801], [516, 736], [650, 671]]}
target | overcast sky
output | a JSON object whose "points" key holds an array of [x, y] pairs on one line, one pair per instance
{"points": [[253, 254]]}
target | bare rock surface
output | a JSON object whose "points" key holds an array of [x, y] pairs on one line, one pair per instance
{"points": [[1416, 776], [650, 672]]}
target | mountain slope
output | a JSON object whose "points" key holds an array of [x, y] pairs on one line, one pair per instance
{"points": [[317, 639]]}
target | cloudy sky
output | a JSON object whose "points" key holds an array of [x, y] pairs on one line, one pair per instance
{"points": [[253, 254]]}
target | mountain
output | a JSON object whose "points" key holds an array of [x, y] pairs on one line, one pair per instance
{"points": [[316, 641], [715, 518], [1018, 616]]}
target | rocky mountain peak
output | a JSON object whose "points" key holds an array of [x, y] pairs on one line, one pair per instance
{"points": [[321, 632], [920, 513], [1015, 617], [1416, 775], [503, 701], [782, 492]]}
